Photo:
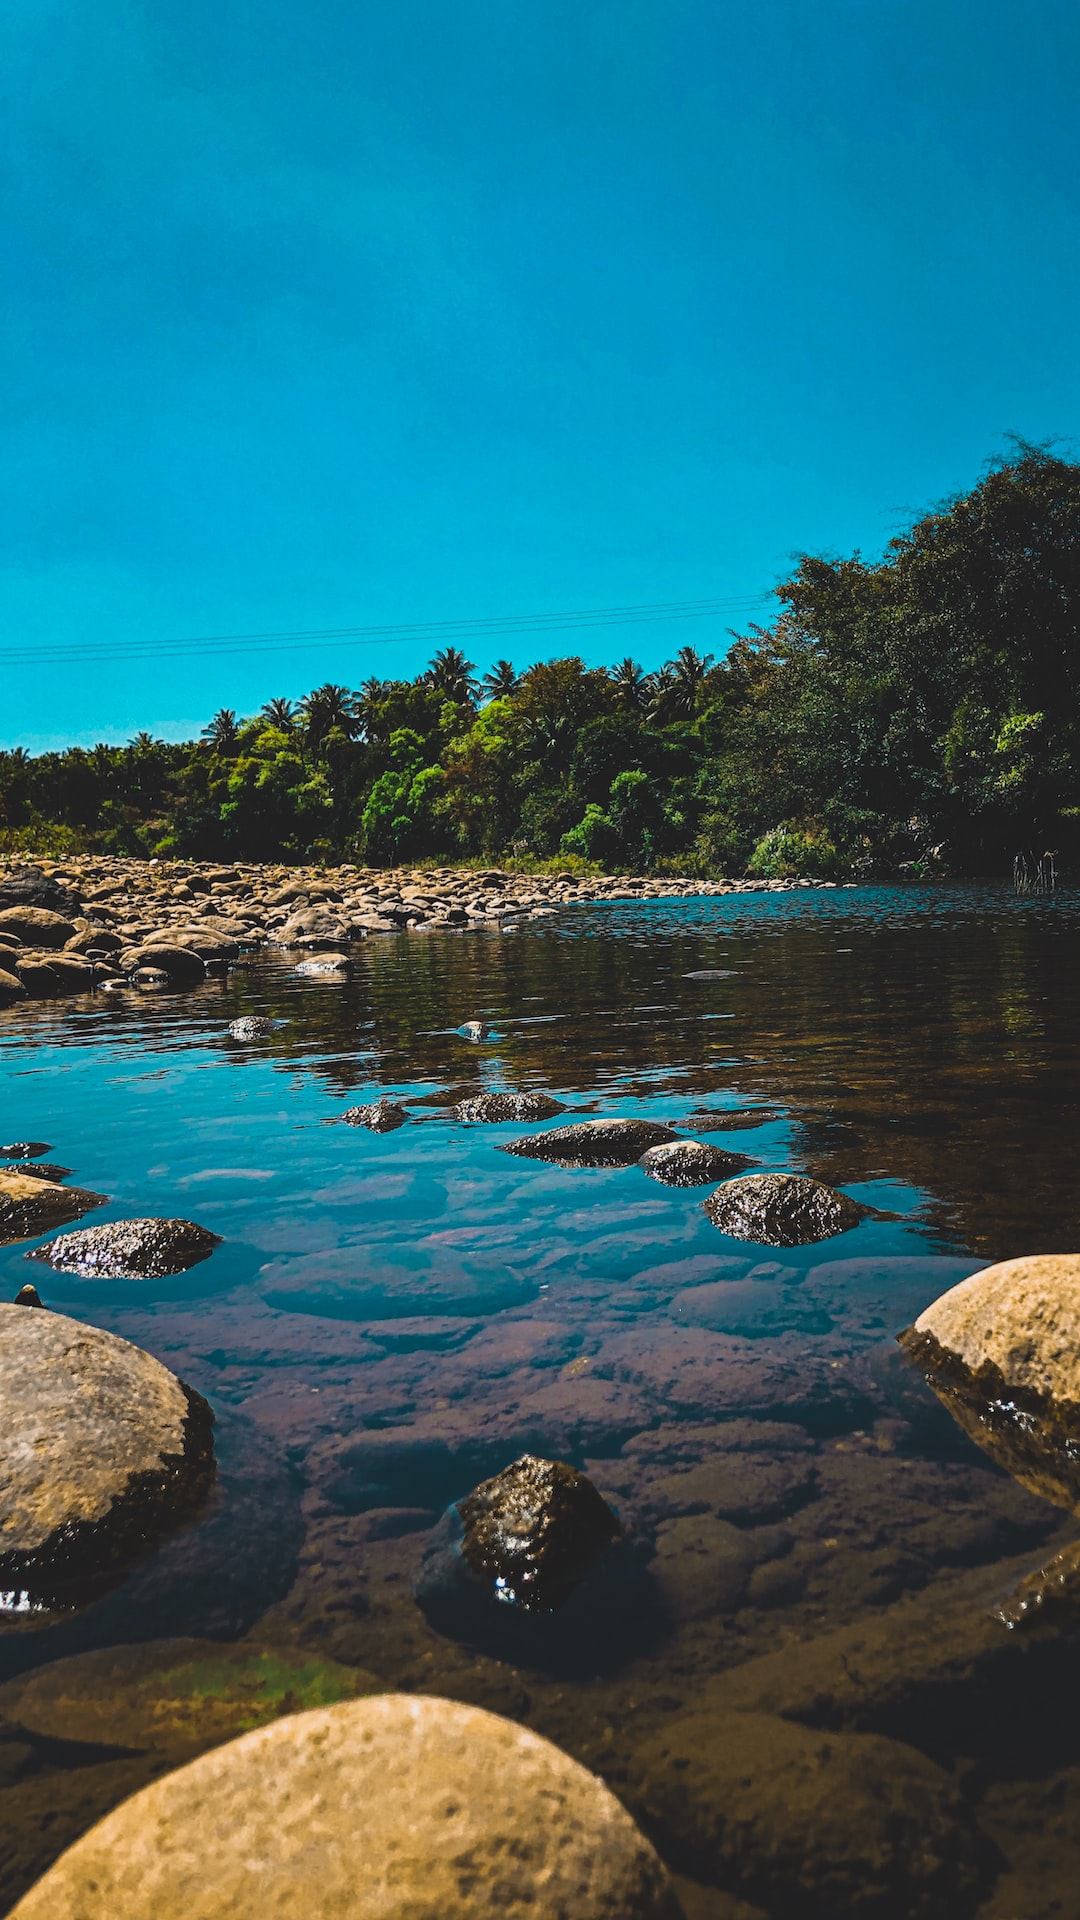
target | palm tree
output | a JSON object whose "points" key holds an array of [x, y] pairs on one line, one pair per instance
{"points": [[280, 714], [501, 682], [223, 731], [630, 684], [687, 670], [143, 743], [330, 709], [366, 706], [451, 675]]}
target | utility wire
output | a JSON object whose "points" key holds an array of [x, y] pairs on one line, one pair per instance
{"points": [[469, 631]]}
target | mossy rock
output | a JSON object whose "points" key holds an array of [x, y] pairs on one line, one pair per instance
{"points": [[176, 1694]]}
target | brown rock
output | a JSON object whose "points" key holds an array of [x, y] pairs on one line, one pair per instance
{"points": [[596, 1143], [128, 1249], [30, 1206], [400, 1807], [781, 1210], [532, 1531], [179, 963], [36, 926], [103, 1447], [11, 987]]}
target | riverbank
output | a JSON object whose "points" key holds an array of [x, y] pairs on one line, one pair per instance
{"points": [[68, 926]]}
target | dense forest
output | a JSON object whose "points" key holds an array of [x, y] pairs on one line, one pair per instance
{"points": [[916, 714]]}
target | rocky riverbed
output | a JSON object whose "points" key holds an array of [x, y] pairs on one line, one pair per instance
{"points": [[95, 921]]}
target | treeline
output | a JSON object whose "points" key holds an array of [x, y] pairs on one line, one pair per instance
{"points": [[919, 713]]}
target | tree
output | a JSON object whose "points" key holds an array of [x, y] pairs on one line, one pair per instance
{"points": [[330, 709], [280, 714], [501, 683], [450, 674], [631, 685], [223, 730]]}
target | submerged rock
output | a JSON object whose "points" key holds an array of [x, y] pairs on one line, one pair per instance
{"points": [[486, 1109], [1002, 1351], [330, 964], [29, 1205], [781, 1210], [596, 1143], [530, 1533], [379, 1116], [104, 1449], [129, 1249], [691, 1163], [730, 1119], [251, 1026], [852, 1825], [397, 1805]]}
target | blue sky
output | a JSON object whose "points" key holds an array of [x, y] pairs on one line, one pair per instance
{"points": [[346, 314]]}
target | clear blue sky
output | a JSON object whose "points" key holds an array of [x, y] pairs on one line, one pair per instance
{"points": [[349, 312]]}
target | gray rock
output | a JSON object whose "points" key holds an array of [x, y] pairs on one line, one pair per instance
{"points": [[691, 1163], [781, 1210], [487, 1108], [103, 1450], [251, 1026], [31, 887], [379, 1116], [31, 1206], [396, 1806], [129, 1249], [595, 1143]]}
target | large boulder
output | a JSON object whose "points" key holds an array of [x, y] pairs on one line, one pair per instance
{"points": [[1002, 1351], [397, 1807], [30, 1205], [128, 1249], [593, 1143], [781, 1210], [104, 1450], [530, 1533], [11, 987], [486, 1109], [30, 887], [36, 926], [46, 973], [691, 1163], [183, 967]]}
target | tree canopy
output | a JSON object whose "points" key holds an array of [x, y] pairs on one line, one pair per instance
{"points": [[919, 712]]}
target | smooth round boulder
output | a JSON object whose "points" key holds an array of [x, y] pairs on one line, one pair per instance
{"points": [[395, 1807], [1002, 1351], [781, 1210], [487, 1109], [129, 1249], [103, 1450], [36, 926], [180, 965], [593, 1143], [691, 1163], [11, 987], [379, 1116], [30, 1205]]}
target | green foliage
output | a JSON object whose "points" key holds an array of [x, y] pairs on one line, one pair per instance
{"points": [[917, 712]]}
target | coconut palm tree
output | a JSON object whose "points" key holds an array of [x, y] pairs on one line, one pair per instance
{"points": [[688, 670], [501, 682], [280, 714], [366, 704], [329, 709], [451, 675], [223, 730], [630, 683]]}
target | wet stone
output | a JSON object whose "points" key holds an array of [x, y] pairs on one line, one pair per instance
{"points": [[43, 1170], [29, 1205], [489, 1108], [781, 1210], [326, 967], [532, 1530], [129, 1249], [178, 964], [23, 1149], [104, 1449], [730, 1119], [379, 1116], [691, 1163], [595, 1143], [252, 1026], [474, 1030]]}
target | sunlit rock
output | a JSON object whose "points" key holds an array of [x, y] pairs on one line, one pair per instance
{"points": [[379, 1116], [129, 1249], [397, 1806], [596, 1143], [29, 1205], [691, 1163], [486, 1109]]}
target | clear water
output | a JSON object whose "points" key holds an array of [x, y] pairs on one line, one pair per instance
{"points": [[393, 1316]]}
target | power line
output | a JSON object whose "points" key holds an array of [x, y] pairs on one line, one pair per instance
{"points": [[485, 627]]}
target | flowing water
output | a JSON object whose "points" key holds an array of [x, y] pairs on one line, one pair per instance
{"points": [[393, 1317]]}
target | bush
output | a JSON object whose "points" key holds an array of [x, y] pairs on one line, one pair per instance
{"points": [[797, 850]]}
